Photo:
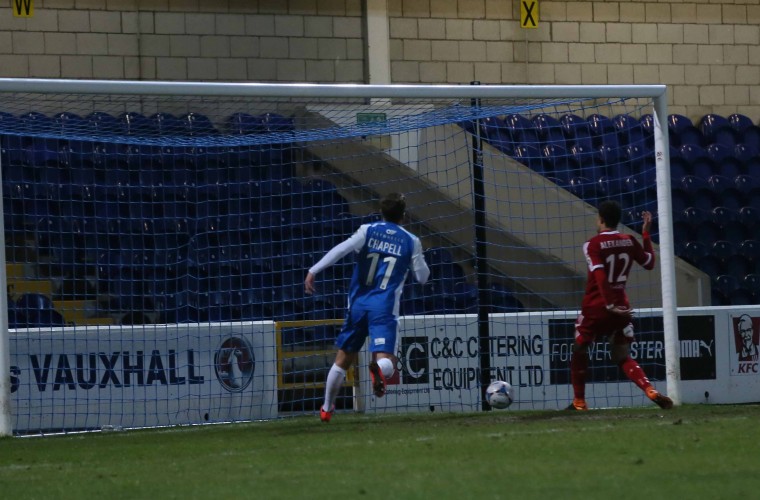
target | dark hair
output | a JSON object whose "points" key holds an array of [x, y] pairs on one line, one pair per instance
{"points": [[610, 213], [393, 207]]}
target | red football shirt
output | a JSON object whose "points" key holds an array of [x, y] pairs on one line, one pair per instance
{"points": [[614, 254]]}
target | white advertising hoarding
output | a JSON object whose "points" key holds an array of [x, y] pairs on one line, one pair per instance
{"points": [[152, 375]]}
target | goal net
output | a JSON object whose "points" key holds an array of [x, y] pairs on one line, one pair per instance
{"points": [[157, 237]]}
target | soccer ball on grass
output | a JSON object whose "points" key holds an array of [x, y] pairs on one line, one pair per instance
{"points": [[499, 394]]}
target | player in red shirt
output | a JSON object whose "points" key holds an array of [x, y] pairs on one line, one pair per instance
{"points": [[605, 310]]}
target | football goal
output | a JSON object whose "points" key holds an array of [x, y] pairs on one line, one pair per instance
{"points": [[157, 236]]}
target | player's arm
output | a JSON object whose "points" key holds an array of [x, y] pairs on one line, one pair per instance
{"points": [[420, 269], [354, 243], [645, 256]]}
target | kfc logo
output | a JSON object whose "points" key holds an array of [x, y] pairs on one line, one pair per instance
{"points": [[747, 344]]}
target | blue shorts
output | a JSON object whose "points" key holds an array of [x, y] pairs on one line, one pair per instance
{"points": [[380, 326]]}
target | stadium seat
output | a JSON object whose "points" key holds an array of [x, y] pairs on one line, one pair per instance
{"points": [[699, 191], [576, 130], [274, 122], [549, 129], [747, 185], [584, 188], [750, 249], [738, 267], [678, 166], [559, 162], [682, 131], [750, 218], [751, 283], [587, 158], [600, 125], [726, 284], [740, 122], [741, 297], [629, 130], [521, 129], [723, 250], [134, 123], [197, 124], [647, 127], [724, 159], [701, 165], [39, 311], [166, 124], [749, 158], [531, 157], [717, 129], [694, 251], [710, 265], [495, 131]]}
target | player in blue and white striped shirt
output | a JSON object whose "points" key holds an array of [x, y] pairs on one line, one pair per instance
{"points": [[386, 253]]}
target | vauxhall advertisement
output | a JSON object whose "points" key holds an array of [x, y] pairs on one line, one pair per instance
{"points": [[149, 375]]}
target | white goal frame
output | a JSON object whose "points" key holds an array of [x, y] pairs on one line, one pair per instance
{"points": [[378, 94]]}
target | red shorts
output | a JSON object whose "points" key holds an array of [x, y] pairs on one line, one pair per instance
{"points": [[592, 324]]}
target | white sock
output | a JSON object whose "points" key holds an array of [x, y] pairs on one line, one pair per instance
{"points": [[334, 382], [386, 366]]}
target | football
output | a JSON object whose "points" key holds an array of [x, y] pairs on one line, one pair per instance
{"points": [[499, 395]]}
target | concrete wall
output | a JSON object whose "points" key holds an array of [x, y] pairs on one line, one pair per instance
{"points": [[707, 51]]}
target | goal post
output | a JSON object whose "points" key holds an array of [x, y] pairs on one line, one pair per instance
{"points": [[157, 235]]}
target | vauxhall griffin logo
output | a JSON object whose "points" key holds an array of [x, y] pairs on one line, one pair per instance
{"points": [[234, 364]]}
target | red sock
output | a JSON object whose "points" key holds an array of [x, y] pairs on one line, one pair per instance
{"points": [[634, 372], [578, 367]]}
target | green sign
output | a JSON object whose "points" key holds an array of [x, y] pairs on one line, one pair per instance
{"points": [[370, 118]]}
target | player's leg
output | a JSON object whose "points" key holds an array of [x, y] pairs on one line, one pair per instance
{"points": [[349, 342], [383, 330], [620, 343], [579, 362]]}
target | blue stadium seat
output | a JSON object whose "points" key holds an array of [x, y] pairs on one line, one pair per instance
{"points": [[584, 188], [134, 123], [588, 160], [680, 200], [747, 184], [197, 124], [576, 130], [699, 191], [738, 267], [694, 251], [693, 216], [647, 126], [750, 249], [495, 131], [521, 129], [748, 157], [750, 218], [39, 311], [549, 129], [678, 165], [531, 157], [682, 131], [724, 158], [723, 250], [166, 124], [740, 122], [700, 163], [274, 122], [629, 130], [751, 283], [559, 162], [717, 129], [726, 284], [241, 124], [600, 126]]}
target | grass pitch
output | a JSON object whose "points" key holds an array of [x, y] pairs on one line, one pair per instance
{"points": [[688, 452]]}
